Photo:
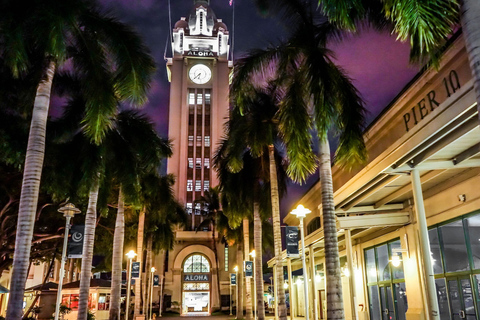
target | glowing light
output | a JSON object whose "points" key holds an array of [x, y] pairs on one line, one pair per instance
{"points": [[285, 285], [346, 272], [131, 254], [235, 269], [396, 260]]}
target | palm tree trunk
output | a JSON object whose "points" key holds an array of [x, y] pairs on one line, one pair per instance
{"points": [[117, 257], [148, 265], [248, 283], [29, 194], [332, 261], [87, 255], [138, 284], [257, 243], [214, 248], [240, 281], [470, 11], [277, 235]]}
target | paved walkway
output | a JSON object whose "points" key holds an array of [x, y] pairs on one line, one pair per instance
{"points": [[215, 317]]}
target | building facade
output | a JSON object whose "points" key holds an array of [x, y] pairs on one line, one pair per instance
{"points": [[409, 220], [197, 269]]}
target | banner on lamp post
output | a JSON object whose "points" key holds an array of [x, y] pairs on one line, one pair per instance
{"points": [[75, 241], [248, 268], [135, 270], [156, 280], [291, 239], [233, 279]]}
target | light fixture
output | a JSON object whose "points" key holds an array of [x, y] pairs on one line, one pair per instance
{"points": [[252, 254], [346, 271], [299, 281], [131, 254], [235, 269], [396, 260], [285, 285]]}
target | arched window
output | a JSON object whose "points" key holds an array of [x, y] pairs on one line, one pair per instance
{"points": [[196, 264]]}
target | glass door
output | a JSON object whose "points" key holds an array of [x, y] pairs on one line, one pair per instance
{"points": [[460, 294], [386, 301]]}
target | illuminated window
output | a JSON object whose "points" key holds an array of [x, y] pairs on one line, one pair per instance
{"points": [[226, 257], [207, 141], [190, 140], [189, 208], [199, 140], [206, 185], [104, 301], [207, 98], [206, 163], [196, 263], [189, 185], [198, 210], [198, 185], [199, 98], [198, 163], [191, 98], [190, 162]]}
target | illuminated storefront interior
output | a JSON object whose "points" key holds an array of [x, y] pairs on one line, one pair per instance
{"points": [[196, 284]]}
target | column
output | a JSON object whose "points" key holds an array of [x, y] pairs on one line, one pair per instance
{"points": [[313, 299], [351, 279], [425, 245], [291, 290]]}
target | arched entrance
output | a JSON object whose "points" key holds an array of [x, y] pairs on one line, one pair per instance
{"points": [[196, 283]]}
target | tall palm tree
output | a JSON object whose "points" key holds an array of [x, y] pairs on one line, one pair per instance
{"points": [[253, 127], [98, 45], [318, 97]]}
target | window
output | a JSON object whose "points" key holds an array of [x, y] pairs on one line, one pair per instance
{"points": [[207, 141], [190, 162], [189, 185], [206, 185], [198, 163], [207, 98], [198, 185], [196, 264], [104, 301], [226, 257], [190, 140], [198, 209], [199, 98], [199, 140], [181, 42], [189, 208], [206, 163], [313, 225], [191, 98]]}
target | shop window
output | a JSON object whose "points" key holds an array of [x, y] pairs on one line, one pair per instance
{"points": [[473, 226], [454, 248], [104, 301]]}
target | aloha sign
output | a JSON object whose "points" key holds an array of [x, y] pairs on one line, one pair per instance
{"points": [[198, 277]]}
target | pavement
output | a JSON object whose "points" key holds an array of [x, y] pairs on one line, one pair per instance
{"points": [[214, 317]]}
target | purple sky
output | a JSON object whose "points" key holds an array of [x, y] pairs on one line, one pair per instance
{"points": [[376, 62]]}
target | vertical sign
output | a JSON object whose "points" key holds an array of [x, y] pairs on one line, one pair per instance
{"points": [[135, 270], [156, 280], [248, 268], [75, 241], [291, 237], [233, 279]]}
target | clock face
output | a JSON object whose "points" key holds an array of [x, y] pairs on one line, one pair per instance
{"points": [[200, 74]]}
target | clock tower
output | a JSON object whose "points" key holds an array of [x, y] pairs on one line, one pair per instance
{"points": [[197, 269]]}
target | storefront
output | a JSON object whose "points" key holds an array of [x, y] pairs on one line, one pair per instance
{"points": [[196, 285], [408, 221]]}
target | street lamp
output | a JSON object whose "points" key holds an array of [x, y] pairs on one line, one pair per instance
{"points": [[130, 255], [152, 270], [301, 212], [252, 254], [236, 293], [68, 211]]}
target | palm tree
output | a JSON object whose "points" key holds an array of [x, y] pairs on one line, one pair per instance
{"points": [[98, 46], [210, 204], [426, 23], [254, 128], [318, 96]]}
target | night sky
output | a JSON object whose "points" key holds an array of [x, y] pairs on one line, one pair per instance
{"points": [[377, 63]]}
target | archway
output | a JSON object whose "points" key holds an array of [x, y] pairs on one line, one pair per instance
{"points": [[196, 284]]}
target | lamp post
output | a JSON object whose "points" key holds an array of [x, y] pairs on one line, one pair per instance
{"points": [[236, 293], [152, 270], [231, 293], [301, 212], [130, 255], [68, 211], [252, 254]]}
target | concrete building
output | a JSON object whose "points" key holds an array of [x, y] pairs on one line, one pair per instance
{"points": [[199, 69], [409, 220]]}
